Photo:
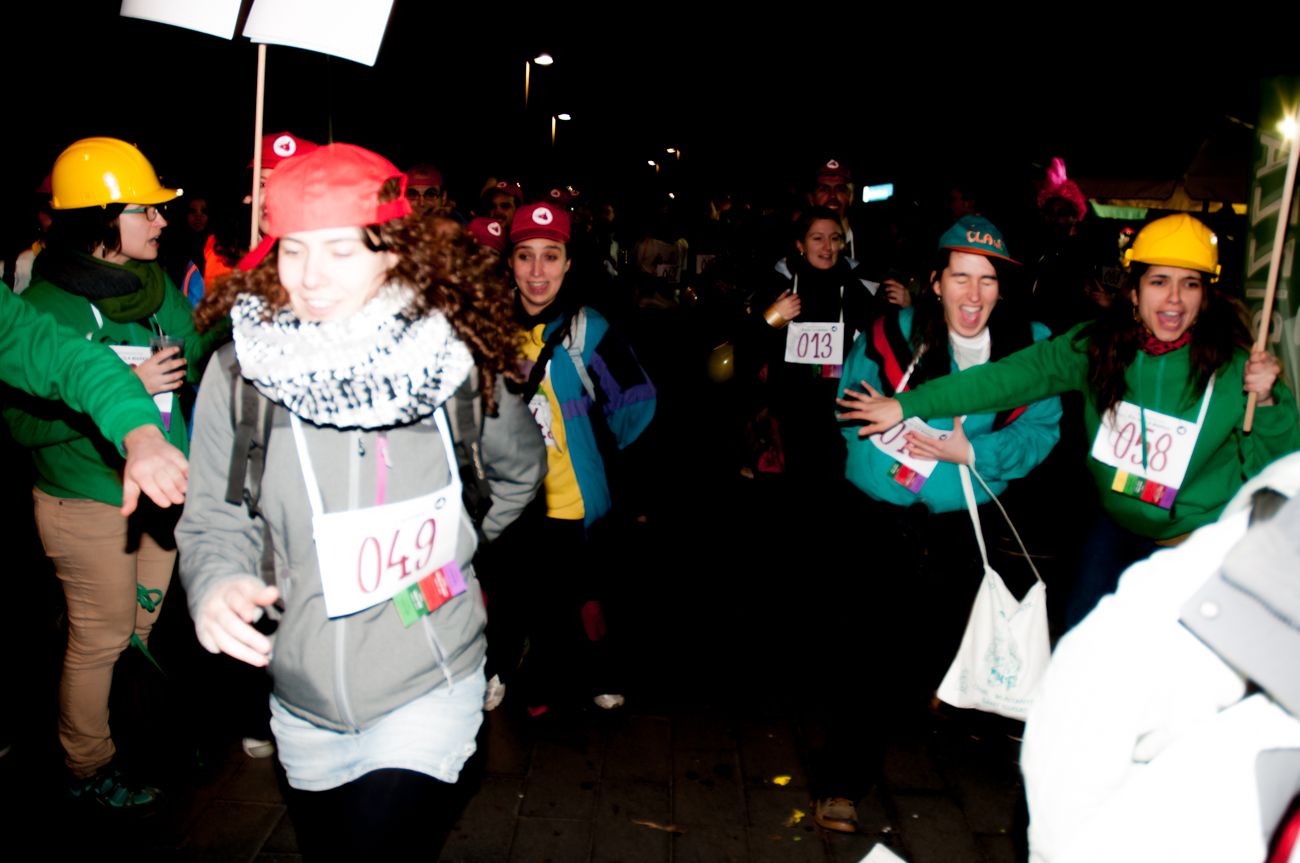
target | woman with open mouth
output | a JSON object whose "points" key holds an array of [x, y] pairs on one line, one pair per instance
{"points": [[1165, 372], [910, 608]]}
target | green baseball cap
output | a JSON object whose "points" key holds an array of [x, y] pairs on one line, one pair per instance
{"points": [[977, 235]]}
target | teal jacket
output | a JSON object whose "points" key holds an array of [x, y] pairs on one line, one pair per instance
{"points": [[1000, 455], [620, 390], [1223, 458]]}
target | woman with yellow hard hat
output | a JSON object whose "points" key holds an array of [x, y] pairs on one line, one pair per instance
{"points": [[1165, 376], [99, 276]]}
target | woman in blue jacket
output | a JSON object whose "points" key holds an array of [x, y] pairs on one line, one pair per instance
{"points": [[591, 399], [926, 564]]}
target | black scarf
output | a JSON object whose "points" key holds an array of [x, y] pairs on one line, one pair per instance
{"points": [[124, 293]]}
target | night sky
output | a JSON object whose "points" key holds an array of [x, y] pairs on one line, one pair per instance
{"points": [[752, 101]]}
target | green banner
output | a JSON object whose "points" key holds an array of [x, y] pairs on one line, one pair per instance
{"points": [[1279, 99]]}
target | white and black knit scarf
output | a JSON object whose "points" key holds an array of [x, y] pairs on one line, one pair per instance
{"points": [[379, 367]]}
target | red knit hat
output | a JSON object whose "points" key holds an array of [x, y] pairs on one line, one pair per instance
{"points": [[543, 219], [335, 186]]}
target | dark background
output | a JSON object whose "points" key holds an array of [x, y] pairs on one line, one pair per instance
{"points": [[911, 95]]}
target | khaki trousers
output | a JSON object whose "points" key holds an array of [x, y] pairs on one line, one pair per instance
{"points": [[87, 541]]}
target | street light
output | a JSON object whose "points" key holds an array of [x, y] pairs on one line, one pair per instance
{"points": [[542, 59], [563, 117]]}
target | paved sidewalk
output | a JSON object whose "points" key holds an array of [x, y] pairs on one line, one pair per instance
{"points": [[689, 783]]}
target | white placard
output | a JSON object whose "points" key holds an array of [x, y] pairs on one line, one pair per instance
{"points": [[351, 29], [133, 356], [214, 17]]}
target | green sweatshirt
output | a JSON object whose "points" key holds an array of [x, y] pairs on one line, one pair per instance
{"points": [[1223, 458], [72, 458], [43, 359]]}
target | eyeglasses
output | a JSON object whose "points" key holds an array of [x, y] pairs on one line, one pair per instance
{"points": [[151, 213], [431, 192]]}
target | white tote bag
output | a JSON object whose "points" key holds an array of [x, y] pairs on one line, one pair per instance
{"points": [[1005, 649]]}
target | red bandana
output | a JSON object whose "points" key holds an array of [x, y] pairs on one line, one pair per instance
{"points": [[1155, 347]]}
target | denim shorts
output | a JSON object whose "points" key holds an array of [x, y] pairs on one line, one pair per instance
{"points": [[434, 735]]}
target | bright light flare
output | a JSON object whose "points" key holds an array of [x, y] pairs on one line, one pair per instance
{"points": [[1288, 127]]}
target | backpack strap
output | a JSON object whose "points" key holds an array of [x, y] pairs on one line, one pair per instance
{"points": [[543, 358], [465, 411], [251, 418], [576, 341]]}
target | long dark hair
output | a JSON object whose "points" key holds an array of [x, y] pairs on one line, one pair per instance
{"points": [[447, 270], [1009, 329], [1112, 340]]}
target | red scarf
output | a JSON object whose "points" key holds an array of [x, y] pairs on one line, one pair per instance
{"points": [[1155, 347]]}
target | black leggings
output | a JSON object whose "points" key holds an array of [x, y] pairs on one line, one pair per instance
{"points": [[383, 814]]}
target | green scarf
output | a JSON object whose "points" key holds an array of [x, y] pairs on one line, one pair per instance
{"points": [[123, 292]]}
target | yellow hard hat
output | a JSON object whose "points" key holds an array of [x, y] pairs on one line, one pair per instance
{"points": [[95, 172], [1176, 241]]}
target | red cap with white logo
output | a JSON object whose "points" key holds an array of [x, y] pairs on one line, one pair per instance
{"points": [[279, 146], [543, 219], [487, 232]]}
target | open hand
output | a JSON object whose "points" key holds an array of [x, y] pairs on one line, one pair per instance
{"points": [[153, 466], [879, 413], [224, 623], [955, 448]]}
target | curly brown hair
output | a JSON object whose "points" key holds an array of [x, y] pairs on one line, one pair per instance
{"points": [[437, 258]]}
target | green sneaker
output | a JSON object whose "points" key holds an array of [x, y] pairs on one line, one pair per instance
{"points": [[109, 789]]}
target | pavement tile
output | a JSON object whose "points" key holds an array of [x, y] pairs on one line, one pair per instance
{"points": [[487, 825], [254, 781], [985, 776], [231, 830], [551, 840], [873, 817], [767, 749], [990, 806], [934, 830], [697, 730], [283, 839], [508, 746], [780, 825], [639, 748], [709, 803], [617, 837], [909, 764], [562, 781]]}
